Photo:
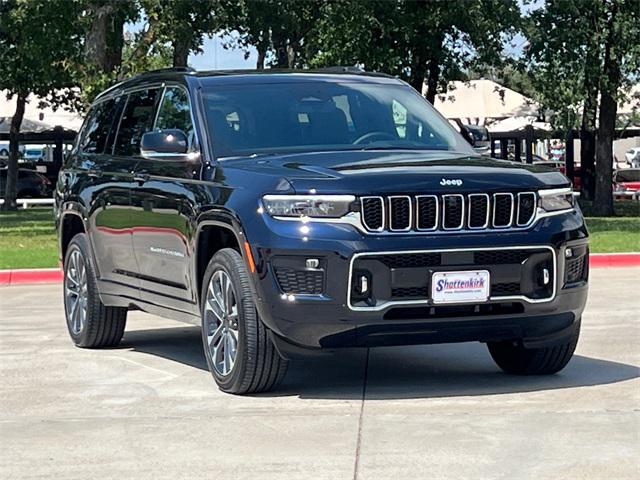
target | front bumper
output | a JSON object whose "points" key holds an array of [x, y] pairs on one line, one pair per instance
{"points": [[328, 319]]}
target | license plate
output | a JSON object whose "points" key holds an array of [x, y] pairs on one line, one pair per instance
{"points": [[460, 287]]}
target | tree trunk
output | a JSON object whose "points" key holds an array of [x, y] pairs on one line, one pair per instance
{"points": [[180, 53], [262, 54], [603, 199], [11, 187], [589, 114], [104, 40], [433, 79]]}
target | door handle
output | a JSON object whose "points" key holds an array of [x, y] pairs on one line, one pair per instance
{"points": [[140, 177]]}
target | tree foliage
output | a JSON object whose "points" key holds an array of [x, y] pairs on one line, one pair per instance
{"points": [[419, 41], [584, 57], [39, 43]]}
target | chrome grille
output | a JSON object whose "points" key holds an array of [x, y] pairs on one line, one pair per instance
{"points": [[448, 212]]}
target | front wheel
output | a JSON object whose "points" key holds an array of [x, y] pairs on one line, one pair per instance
{"points": [[518, 360], [240, 355]]}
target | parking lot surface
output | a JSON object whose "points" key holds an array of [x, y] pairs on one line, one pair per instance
{"points": [[149, 408]]}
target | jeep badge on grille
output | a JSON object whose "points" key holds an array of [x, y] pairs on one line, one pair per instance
{"points": [[446, 182]]}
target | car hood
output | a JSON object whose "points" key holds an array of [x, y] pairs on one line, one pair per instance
{"points": [[372, 172]]}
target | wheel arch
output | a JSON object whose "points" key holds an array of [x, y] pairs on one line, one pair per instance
{"points": [[214, 234], [71, 223]]}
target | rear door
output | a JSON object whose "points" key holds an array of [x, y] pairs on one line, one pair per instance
{"points": [[105, 192], [165, 206]]}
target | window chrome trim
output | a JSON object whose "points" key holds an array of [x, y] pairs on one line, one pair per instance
{"points": [[408, 198], [496, 195], [444, 212], [437, 222], [393, 303], [486, 222], [364, 223]]}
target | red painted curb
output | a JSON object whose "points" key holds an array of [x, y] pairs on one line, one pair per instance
{"points": [[614, 260], [54, 275], [30, 275]]}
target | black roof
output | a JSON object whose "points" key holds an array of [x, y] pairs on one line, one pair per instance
{"points": [[249, 76]]}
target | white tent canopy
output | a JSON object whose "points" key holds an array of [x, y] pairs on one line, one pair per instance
{"points": [[43, 116], [483, 100], [514, 124]]}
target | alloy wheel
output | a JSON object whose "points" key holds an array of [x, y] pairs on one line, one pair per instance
{"points": [[75, 292], [221, 322]]}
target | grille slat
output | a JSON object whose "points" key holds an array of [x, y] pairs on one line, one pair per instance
{"points": [[449, 212]]}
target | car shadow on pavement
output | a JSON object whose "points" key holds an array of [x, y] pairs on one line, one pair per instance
{"points": [[423, 371]]}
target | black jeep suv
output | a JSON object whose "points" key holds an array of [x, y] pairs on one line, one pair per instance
{"points": [[299, 212]]}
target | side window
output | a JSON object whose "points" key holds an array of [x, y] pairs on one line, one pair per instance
{"points": [[137, 119], [174, 112], [96, 132]]}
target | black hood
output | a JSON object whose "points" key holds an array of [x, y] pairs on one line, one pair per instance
{"points": [[373, 172]]}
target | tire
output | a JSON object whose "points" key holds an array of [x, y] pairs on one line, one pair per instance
{"points": [[518, 360], [254, 365], [91, 324]]}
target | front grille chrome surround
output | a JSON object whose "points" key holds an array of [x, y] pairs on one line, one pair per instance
{"points": [[445, 209], [521, 197], [380, 200], [496, 209], [470, 209], [396, 202], [449, 212]]}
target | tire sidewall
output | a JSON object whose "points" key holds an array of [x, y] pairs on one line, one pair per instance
{"points": [[223, 260]]}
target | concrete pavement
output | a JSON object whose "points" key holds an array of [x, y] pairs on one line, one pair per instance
{"points": [[149, 408]]}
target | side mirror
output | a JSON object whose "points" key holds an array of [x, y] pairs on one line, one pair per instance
{"points": [[170, 144]]}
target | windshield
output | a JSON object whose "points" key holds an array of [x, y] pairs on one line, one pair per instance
{"points": [[628, 176], [320, 116]]}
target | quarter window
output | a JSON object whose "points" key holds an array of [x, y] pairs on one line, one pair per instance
{"points": [[96, 130], [137, 119]]}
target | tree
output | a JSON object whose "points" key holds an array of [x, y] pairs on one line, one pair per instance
{"points": [[276, 28], [420, 41], [183, 24], [39, 40], [582, 72]]}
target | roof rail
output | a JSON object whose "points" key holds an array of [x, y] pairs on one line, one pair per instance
{"points": [[144, 74], [350, 69], [170, 69]]}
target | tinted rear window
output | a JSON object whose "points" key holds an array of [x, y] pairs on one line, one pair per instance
{"points": [[97, 127]]}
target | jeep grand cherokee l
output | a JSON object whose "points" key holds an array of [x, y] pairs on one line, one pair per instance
{"points": [[302, 212]]}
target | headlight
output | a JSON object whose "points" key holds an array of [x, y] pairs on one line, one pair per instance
{"points": [[554, 200], [327, 206]]}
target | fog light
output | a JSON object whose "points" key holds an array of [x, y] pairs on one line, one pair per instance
{"points": [[545, 276], [364, 284], [312, 263], [568, 252]]}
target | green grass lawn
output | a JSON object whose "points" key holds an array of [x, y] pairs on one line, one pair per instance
{"points": [[28, 238]]}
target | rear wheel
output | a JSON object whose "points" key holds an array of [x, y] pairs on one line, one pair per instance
{"points": [[240, 355], [516, 359], [91, 324]]}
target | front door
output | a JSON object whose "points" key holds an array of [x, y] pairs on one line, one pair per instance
{"points": [[164, 207]]}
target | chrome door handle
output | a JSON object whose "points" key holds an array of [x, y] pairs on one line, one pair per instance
{"points": [[140, 177]]}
